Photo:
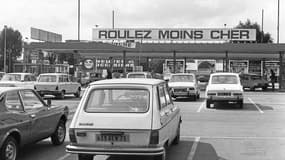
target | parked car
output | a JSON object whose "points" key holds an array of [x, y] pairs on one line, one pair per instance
{"points": [[253, 81], [25, 118], [224, 87], [184, 85], [19, 79], [57, 84], [125, 117], [203, 80], [139, 75]]}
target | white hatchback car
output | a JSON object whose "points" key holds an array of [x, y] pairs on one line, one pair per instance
{"points": [[26, 80], [224, 87], [184, 85], [124, 117]]}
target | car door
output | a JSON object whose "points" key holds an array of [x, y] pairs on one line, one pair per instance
{"points": [[165, 114], [43, 119], [16, 117]]}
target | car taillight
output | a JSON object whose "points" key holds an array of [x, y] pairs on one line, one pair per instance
{"points": [[72, 136], [154, 137], [56, 88]]}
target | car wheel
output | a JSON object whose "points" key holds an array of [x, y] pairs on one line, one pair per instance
{"points": [[198, 96], [177, 138], [240, 103], [9, 149], [208, 103], [77, 94], [85, 157], [58, 137], [264, 88], [61, 95]]}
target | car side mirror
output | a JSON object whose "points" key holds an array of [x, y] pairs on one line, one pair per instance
{"points": [[49, 102]]}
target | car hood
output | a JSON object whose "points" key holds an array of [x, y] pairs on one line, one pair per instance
{"points": [[181, 84], [225, 87]]}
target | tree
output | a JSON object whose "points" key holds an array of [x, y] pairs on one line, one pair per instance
{"points": [[13, 46], [261, 37]]}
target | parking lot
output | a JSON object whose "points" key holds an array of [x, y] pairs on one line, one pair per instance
{"points": [[226, 132]]}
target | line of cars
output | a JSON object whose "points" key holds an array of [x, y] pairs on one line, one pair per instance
{"points": [[57, 84]]}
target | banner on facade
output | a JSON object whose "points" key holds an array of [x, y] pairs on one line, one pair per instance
{"points": [[175, 34]]}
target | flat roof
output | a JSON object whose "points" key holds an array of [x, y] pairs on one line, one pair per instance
{"points": [[193, 50]]}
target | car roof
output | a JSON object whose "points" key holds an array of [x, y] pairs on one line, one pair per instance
{"points": [[53, 74], [138, 73], [4, 89], [128, 81], [21, 73], [182, 74], [224, 73]]}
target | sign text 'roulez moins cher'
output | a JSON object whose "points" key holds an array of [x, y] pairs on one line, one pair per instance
{"points": [[176, 34]]}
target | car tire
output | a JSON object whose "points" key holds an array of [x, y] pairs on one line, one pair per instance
{"points": [[198, 96], [85, 157], [194, 97], [77, 94], [177, 138], [58, 137], [264, 88], [240, 104], [9, 149], [208, 104], [61, 95]]}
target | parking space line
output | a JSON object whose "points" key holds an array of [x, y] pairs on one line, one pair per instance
{"points": [[64, 157], [235, 138], [251, 101], [201, 106], [193, 149]]}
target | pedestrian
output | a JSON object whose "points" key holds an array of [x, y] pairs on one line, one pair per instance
{"points": [[272, 78]]}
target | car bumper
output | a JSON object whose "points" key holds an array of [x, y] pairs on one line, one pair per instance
{"points": [[148, 151], [49, 92], [225, 99], [184, 94]]}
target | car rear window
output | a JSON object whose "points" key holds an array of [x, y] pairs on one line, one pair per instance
{"points": [[47, 78], [136, 76], [182, 78], [118, 100], [224, 79], [11, 77]]}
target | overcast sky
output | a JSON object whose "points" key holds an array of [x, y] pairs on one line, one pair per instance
{"points": [[60, 16]]}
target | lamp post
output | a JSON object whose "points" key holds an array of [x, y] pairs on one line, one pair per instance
{"points": [[278, 14], [5, 69], [78, 20]]}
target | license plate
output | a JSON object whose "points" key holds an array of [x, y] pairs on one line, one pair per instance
{"points": [[112, 138]]}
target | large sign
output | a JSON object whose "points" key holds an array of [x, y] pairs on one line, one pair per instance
{"points": [[239, 66], [175, 34], [39, 34]]}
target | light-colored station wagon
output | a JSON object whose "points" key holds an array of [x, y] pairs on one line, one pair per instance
{"points": [[125, 117], [57, 84]]}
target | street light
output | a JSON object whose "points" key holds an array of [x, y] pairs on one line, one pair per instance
{"points": [[5, 27]]}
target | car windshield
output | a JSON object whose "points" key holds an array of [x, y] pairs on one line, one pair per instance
{"points": [[136, 76], [47, 78], [11, 77], [118, 100], [224, 79], [181, 78]]}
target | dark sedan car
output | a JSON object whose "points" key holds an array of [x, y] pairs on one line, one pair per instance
{"points": [[253, 81], [25, 118]]}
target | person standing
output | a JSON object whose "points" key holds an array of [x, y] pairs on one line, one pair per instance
{"points": [[272, 78]]}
